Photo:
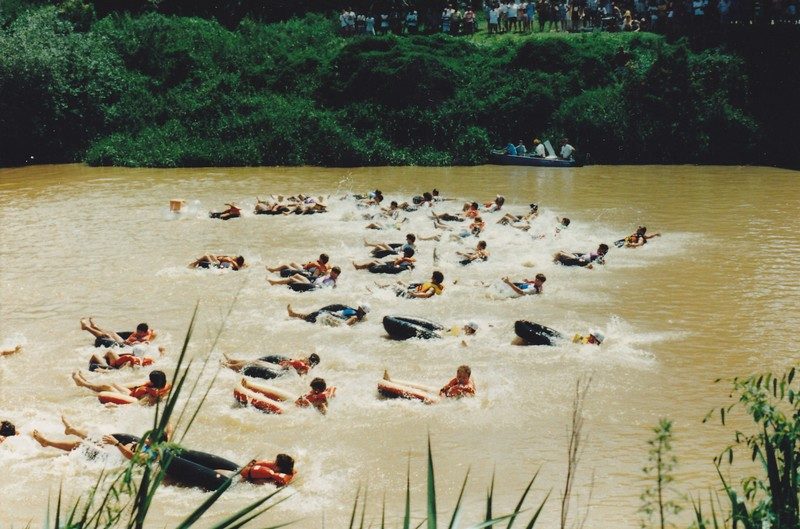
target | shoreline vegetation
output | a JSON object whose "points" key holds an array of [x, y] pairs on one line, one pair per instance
{"points": [[176, 91]]}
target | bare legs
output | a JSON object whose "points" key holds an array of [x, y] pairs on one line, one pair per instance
{"points": [[297, 278], [67, 446], [293, 314], [79, 379], [88, 324]]}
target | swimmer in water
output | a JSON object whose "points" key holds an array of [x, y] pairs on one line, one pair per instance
{"points": [[232, 212], [447, 217], [327, 281], [311, 269], [527, 286], [146, 393], [279, 472], [431, 288], [460, 386], [593, 338], [133, 357], [585, 260], [12, 351], [83, 435], [277, 365], [479, 254], [495, 205], [521, 222], [222, 262], [405, 262], [341, 313], [636, 239], [143, 333], [318, 396], [7, 429]]}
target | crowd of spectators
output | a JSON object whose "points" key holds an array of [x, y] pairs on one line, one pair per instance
{"points": [[495, 17]]}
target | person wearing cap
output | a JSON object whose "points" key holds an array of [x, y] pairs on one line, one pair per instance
{"points": [[594, 338], [232, 212], [271, 366], [339, 313], [527, 286]]}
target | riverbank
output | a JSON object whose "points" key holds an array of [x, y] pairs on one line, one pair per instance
{"points": [[161, 91]]}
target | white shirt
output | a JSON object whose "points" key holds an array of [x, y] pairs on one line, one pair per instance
{"points": [[566, 151], [539, 150]]}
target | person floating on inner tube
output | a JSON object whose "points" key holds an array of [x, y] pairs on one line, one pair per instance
{"points": [[146, 394], [223, 262], [9, 352], [83, 435], [447, 217], [479, 254], [582, 259], [339, 313], [494, 205], [311, 269], [460, 386], [133, 357], [272, 366], [384, 249], [7, 429], [521, 222], [143, 334], [594, 338], [300, 282], [636, 239], [318, 396], [400, 264], [232, 212], [279, 472], [527, 286], [431, 288]]}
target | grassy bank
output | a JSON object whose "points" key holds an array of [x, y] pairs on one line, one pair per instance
{"points": [[152, 90]]}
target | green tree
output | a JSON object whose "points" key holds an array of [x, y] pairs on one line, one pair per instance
{"points": [[659, 500]]}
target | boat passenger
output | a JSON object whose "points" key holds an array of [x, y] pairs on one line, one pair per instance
{"points": [[318, 396], [521, 149], [340, 313], [460, 386], [232, 212], [511, 149], [223, 262], [143, 334], [527, 286], [567, 150], [538, 149]]}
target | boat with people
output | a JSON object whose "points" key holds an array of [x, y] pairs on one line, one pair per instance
{"points": [[501, 158], [543, 156]]}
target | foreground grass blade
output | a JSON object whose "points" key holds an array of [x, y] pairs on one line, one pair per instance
{"points": [[431, 489], [457, 510], [521, 500]]}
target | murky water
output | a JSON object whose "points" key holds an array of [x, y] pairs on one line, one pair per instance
{"points": [[715, 296]]}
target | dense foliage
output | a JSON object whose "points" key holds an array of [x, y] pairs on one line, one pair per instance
{"points": [[155, 90]]}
